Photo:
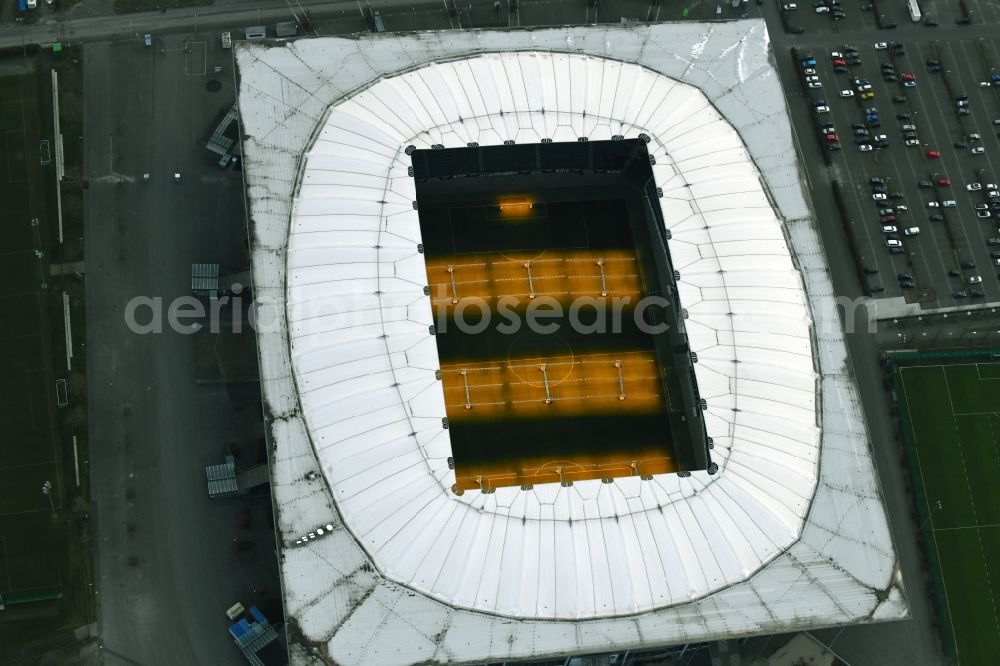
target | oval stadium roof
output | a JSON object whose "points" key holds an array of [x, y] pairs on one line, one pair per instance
{"points": [[348, 361]]}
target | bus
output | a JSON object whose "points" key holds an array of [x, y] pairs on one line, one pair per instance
{"points": [[914, 10]]}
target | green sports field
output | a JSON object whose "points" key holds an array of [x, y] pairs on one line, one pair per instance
{"points": [[952, 422]]}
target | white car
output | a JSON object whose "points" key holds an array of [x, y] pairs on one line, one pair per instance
{"points": [[812, 78], [911, 231], [865, 147], [814, 85], [892, 242], [912, 142], [790, 7], [881, 137], [864, 87], [984, 84], [991, 186], [847, 93], [974, 187], [901, 209], [975, 279], [823, 108], [933, 204], [878, 196], [808, 70], [949, 203], [822, 9], [879, 46], [888, 229], [836, 54], [983, 214], [978, 150]]}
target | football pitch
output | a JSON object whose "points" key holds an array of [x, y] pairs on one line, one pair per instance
{"points": [[32, 547], [951, 418]]}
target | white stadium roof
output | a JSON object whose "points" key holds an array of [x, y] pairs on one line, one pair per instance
{"points": [[411, 572]]}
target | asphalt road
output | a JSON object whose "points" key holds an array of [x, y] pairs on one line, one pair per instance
{"points": [[166, 567]]}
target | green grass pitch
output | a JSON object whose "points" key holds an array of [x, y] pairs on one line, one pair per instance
{"points": [[953, 414]]}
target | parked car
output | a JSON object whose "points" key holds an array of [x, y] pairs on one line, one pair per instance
{"points": [[933, 154], [978, 150], [974, 187], [911, 231]]}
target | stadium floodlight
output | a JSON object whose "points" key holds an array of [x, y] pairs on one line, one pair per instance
{"points": [[47, 491]]}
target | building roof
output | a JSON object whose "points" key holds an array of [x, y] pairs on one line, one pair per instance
{"points": [[348, 361]]}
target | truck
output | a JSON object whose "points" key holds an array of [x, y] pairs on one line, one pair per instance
{"points": [[227, 40], [914, 10]]}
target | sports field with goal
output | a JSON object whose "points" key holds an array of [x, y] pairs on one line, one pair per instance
{"points": [[950, 413]]}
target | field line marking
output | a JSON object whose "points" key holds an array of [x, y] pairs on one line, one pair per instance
{"points": [[937, 551], [950, 401], [6, 563], [35, 464], [966, 527], [976, 414]]}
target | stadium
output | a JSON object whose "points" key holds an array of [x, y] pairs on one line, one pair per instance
{"points": [[445, 496]]}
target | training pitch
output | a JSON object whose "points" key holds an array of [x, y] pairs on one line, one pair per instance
{"points": [[31, 550], [950, 412]]}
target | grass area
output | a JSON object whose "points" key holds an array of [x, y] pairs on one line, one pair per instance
{"points": [[44, 549], [952, 423]]}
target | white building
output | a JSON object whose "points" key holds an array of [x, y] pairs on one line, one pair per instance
{"points": [[381, 563]]}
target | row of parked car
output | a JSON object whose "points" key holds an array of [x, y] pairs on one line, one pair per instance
{"points": [[831, 7], [888, 215]]}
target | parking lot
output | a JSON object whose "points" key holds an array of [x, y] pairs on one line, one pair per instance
{"points": [[934, 265]]}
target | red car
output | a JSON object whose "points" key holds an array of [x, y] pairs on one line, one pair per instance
{"points": [[839, 62], [934, 154], [832, 137], [907, 76], [944, 181]]}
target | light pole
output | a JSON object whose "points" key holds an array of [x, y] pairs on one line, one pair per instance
{"points": [[937, 507], [47, 491]]}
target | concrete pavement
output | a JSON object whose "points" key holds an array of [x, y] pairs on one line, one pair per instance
{"points": [[166, 568]]}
